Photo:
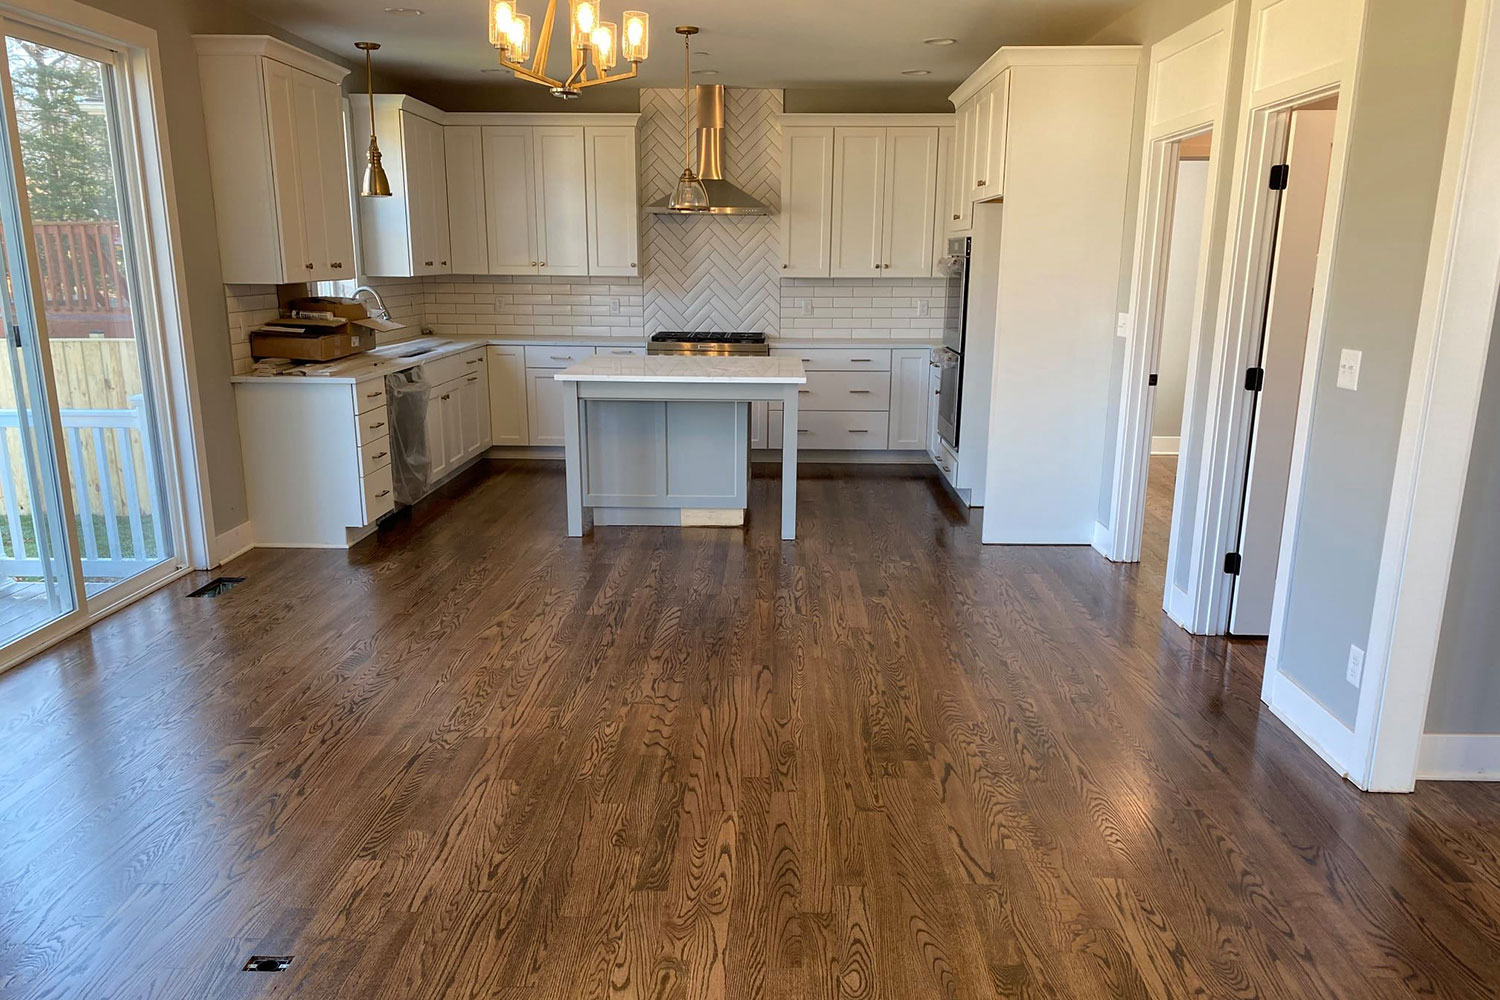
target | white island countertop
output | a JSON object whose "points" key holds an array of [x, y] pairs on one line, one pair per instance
{"points": [[687, 368]]}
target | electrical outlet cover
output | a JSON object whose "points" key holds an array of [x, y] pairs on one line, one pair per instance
{"points": [[1122, 325], [1356, 668], [1349, 362]]}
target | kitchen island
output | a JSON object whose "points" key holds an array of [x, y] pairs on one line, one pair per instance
{"points": [[665, 439]]}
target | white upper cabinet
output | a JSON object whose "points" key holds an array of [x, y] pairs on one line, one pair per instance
{"points": [[806, 201], [510, 199], [911, 202], [942, 225], [467, 238], [614, 229], [982, 127], [561, 201], [405, 235], [859, 164], [961, 170], [274, 118]]}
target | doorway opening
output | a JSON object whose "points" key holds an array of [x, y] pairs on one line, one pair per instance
{"points": [[1186, 194], [1299, 180]]}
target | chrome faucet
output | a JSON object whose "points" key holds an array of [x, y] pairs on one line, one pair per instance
{"points": [[384, 313]]}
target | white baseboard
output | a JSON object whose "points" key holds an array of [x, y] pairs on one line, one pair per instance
{"points": [[1165, 445], [232, 544], [1178, 605], [1313, 724], [1104, 540], [1459, 757]]}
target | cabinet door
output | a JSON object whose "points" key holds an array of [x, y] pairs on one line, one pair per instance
{"points": [[281, 123], [507, 385], [473, 414], [984, 114], [562, 242], [451, 398], [961, 179], [426, 193], [306, 97], [336, 199], [544, 402], [992, 169], [437, 447], [437, 197], [858, 202], [943, 225], [911, 202], [510, 199], [614, 215], [934, 386], [463, 155], [909, 405], [759, 418], [806, 201]]}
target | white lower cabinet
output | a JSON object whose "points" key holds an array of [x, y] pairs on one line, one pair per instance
{"points": [[509, 426], [855, 399], [544, 406], [909, 399], [474, 396], [458, 413], [437, 445]]}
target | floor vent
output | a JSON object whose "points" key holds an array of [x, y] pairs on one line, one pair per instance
{"points": [[217, 586], [267, 963]]}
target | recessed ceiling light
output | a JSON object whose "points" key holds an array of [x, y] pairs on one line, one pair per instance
{"points": [[939, 41], [705, 72], [916, 72], [404, 11]]}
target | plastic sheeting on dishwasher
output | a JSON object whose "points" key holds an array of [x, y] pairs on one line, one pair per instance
{"points": [[411, 459]]}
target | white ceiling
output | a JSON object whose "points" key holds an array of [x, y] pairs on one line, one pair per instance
{"points": [[770, 43]]}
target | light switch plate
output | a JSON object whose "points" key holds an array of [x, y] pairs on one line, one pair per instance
{"points": [[1349, 362], [614, 307], [806, 306], [1356, 668], [924, 308], [1122, 325]]}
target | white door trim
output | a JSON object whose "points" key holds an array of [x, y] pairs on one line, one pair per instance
{"points": [[1442, 404], [1179, 104]]}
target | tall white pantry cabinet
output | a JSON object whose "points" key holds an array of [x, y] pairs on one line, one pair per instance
{"points": [[277, 159]]}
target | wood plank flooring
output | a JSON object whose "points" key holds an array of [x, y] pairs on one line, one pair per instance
{"points": [[475, 758]]}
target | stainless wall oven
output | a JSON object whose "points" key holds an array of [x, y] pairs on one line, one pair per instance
{"points": [[950, 357]]}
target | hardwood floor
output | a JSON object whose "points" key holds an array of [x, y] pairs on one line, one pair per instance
{"points": [[475, 758]]}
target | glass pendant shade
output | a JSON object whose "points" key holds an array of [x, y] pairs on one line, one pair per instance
{"points": [[603, 40], [585, 20], [636, 42], [690, 195], [502, 13], [518, 46]]}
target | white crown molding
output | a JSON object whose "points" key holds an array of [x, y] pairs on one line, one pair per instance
{"points": [[1043, 55], [631, 119], [270, 48], [866, 121]]}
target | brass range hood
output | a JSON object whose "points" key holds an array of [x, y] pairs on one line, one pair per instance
{"points": [[723, 197]]}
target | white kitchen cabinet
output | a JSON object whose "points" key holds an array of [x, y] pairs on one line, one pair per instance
{"points": [[934, 387], [943, 226], [406, 235], [438, 448], [990, 110], [507, 390], [884, 202], [274, 120], [510, 199], [468, 247], [806, 201], [561, 202], [859, 165], [910, 402], [474, 397], [544, 406], [614, 226], [961, 175]]}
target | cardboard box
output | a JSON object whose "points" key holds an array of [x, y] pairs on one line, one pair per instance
{"points": [[311, 339], [341, 308]]}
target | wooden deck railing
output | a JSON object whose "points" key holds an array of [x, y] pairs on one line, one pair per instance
{"points": [[83, 289]]}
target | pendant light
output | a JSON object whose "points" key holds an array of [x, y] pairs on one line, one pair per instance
{"points": [[690, 195], [375, 183]]}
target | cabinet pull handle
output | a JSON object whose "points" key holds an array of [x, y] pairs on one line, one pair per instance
{"points": [[472, 378], [859, 361], [444, 263], [382, 493], [426, 263], [981, 184], [374, 395], [379, 456], [804, 432], [337, 265], [554, 357], [377, 426], [859, 392], [803, 392], [957, 217], [859, 430], [473, 361], [309, 267]]}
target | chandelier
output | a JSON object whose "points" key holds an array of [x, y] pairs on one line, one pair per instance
{"points": [[595, 45]]}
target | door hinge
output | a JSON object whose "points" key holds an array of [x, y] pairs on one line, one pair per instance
{"points": [[1279, 175], [1154, 378], [1255, 379], [1232, 563]]}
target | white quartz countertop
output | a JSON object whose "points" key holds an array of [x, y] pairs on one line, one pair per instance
{"points": [[680, 368]]}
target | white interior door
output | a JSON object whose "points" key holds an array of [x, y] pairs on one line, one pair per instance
{"points": [[1300, 226], [510, 199]]}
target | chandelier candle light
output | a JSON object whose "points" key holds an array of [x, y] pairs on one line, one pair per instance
{"points": [[595, 44]]}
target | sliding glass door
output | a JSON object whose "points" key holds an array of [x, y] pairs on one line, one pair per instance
{"points": [[87, 515]]}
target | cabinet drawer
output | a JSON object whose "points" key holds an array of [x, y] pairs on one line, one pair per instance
{"points": [[842, 430], [372, 424], [842, 359], [369, 394], [379, 495], [846, 391], [605, 352], [556, 357], [374, 455], [453, 366]]}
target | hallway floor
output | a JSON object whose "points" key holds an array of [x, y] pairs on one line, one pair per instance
{"points": [[475, 758]]}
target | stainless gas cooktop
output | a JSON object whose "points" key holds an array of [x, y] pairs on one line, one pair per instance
{"points": [[708, 342]]}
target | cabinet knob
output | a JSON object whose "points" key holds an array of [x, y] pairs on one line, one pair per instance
{"points": [[447, 395], [783, 267], [337, 266], [542, 264], [632, 263], [309, 267], [877, 267], [427, 263]]}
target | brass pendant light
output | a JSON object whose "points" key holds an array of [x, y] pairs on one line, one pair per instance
{"points": [[690, 194], [375, 183]]}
